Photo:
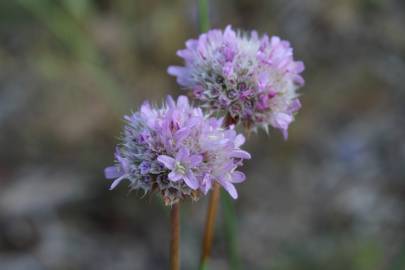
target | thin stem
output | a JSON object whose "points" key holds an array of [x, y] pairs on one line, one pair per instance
{"points": [[230, 230], [203, 15], [209, 225], [175, 237], [211, 217], [213, 203]]}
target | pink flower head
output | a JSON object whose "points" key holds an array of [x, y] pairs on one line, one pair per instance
{"points": [[252, 79], [178, 151]]}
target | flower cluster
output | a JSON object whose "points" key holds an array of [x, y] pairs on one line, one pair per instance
{"points": [[177, 151], [252, 79]]}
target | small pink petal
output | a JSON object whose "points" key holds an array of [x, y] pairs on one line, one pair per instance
{"points": [[167, 161], [237, 177], [240, 154], [174, 176], [111, 172], [191, 180], [195, 160], [116, 182], [230, 188]]}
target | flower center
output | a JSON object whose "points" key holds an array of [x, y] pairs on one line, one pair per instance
{"points": [[180, 168]]}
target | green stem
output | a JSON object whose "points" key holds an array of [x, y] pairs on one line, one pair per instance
{"points": [[203, 20], [230, 230], [210, 225], [203, 17], [175, 237]]}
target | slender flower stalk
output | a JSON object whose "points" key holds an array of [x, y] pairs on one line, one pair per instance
{"points": [[203, 17], [175, 237], [211, 217], [215, 195], [216, 192], [230, 230], [209, 226]]}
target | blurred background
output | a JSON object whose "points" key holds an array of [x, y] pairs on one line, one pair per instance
{"points": [[331, 197]]}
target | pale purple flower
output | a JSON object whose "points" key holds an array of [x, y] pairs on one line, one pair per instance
{"points": [[178, 151], [252, 80], [181, 167]]}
